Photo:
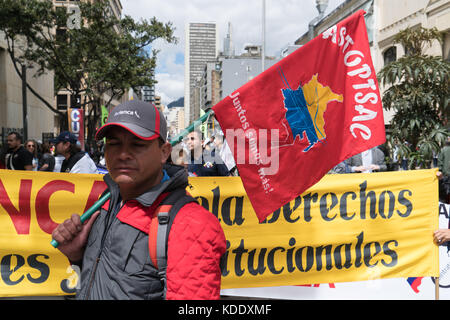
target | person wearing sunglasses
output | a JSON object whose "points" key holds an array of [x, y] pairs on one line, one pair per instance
{"points": [[31, 146]]}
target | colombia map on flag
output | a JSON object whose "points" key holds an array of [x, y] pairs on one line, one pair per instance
{"points": [[294, 122]]}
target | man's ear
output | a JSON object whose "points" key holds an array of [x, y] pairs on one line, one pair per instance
{"points": [[166, 149]]}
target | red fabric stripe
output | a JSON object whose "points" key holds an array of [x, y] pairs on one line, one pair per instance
{"points": [[152, 239], [157, 120], [163, 208], [153, 233]]}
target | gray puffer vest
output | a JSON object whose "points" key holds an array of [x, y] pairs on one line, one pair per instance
{"points": [[116, 262]]}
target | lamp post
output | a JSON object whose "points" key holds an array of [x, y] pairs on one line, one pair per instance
{"points": [[263, 53], [321, 6], [24, 103]]}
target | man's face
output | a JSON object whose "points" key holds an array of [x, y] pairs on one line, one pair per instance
{"points": [[62, 147], [193, 141], [12, 141], [133, 163]]}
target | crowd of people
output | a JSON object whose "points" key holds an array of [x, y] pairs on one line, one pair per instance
{"points": [[62, 154], [208, 157], [200, 157]]}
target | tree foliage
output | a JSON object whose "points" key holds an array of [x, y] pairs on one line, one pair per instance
{"points": [[104, 55], [418, 91]]}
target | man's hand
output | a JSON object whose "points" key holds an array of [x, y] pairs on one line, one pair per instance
{"points": [[72, 236], [441, 236]]}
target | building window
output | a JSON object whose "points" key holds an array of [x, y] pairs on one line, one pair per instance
{"points": [[61, 34], [75, 101], [61, 101], [390, 55]]}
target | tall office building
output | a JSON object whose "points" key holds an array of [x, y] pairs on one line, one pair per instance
{"points": [[228, 49], [148, 93], [201, 46]]}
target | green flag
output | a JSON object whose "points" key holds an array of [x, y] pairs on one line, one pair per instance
{"points": [[104, 114]]}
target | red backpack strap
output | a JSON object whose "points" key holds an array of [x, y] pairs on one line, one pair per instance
{"points": [[156, 235], [160, 225]]}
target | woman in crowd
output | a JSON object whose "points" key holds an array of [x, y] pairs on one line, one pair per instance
{"points": [[47, 161], [31, 146]]}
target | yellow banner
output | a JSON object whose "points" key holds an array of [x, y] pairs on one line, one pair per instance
{"points": [[31, 205], [350, 227]]}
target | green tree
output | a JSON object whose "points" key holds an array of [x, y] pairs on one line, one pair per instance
{"points": [[418, 92], [103, 57]]}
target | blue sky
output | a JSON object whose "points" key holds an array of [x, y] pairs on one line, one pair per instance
{"points": [[179, 58], [286, 20]]}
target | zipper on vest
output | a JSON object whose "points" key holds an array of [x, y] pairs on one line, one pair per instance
{"points": [[91, 280], [108, 224]]}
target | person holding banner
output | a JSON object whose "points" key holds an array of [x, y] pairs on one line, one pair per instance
{"points": [[130, 249], [441, 236], [444, 172]]}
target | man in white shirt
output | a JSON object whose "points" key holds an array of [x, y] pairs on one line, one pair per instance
{"points": [[75, 160]]}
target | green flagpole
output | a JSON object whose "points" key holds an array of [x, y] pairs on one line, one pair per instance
{"points": [[189, 129], [85, 216]]}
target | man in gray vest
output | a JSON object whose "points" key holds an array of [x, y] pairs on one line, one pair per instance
{"points": [[115, 248]]}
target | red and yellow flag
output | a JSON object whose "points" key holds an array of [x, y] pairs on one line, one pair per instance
{"points": [[294, 122]]}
